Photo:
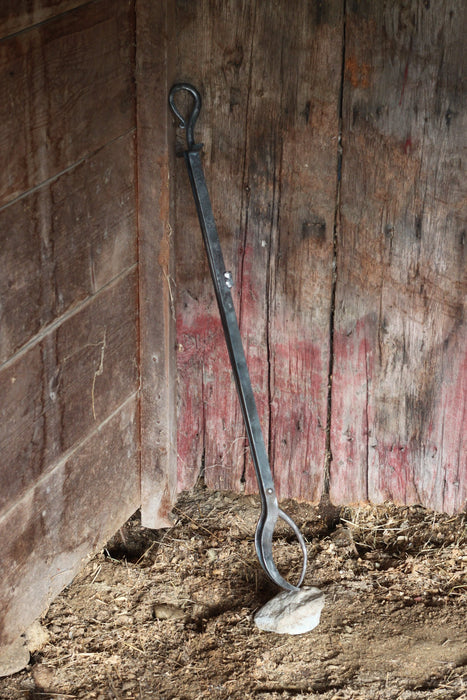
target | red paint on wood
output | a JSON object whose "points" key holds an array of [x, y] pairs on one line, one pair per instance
{"points": [[399, 317], [393, 466], [452, 427], [417, 465], [352, 420], [298, 414], [296, 409], [270, 162], [432, 469], [205, 410], [400, 333]]}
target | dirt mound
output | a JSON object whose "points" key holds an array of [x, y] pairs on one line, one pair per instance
{"points": [[169, 614]]}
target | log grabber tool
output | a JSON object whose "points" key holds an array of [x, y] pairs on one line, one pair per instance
{"points": [[222, 281]]}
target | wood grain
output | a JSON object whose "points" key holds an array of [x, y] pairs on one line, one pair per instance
{"points": [[67, 91], [70, 381], [66, 240], [69, 418], [18, 15], [399, 387], [71, 512], [156, 267], [270, 84]]}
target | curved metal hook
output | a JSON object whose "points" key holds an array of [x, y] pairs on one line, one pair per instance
{"points": [[263, 544], [189, 122]]}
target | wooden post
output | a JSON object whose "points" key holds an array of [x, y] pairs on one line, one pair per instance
{"points": [[156, 265]]}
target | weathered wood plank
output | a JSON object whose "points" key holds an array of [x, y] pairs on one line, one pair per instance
{"points": [[270, 84], [210, 435], [67, 90], [399, 387], [71, 380], [67, 515], [300, 272], [17, 15], [65, 241], [156, 264], [69, 434]]}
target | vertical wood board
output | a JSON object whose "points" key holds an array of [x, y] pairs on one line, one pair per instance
{"points": [[156, 262], [399, 384], [269, 126]]}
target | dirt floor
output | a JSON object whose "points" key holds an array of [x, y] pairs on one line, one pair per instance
{"points": [[169, 614]]}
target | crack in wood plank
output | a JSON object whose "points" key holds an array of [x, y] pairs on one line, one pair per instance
{"points": [[335, 245]]}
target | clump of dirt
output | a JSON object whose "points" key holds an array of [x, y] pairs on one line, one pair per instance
{"points": [[169, 614]]}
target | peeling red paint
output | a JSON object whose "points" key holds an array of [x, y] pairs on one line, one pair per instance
{"points": [[207, 415], [210, 417], [298, 418], [351, 417], [373, 460], [393, 467]]}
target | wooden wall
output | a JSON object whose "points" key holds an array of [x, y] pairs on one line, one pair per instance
{"points": [[269, 126], [398, 421], [69, 437], [332, 136]]}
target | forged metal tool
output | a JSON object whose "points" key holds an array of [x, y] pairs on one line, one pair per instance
{"points": [[223, 283]]}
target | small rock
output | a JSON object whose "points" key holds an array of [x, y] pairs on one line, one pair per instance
{"points": [[114, 659], [43, 676], [162, 611], [14, 657], [128, 685], [291, 612]]}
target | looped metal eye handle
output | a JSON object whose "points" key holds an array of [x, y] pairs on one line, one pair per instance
{"points": [[263, 544], [189, 122]]}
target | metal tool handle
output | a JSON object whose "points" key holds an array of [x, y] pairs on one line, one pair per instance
{"points": [[193, 116], [222, 281]]}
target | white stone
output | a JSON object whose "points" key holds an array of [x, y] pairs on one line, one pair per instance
{"points": [[291, 612], [14, 657]]}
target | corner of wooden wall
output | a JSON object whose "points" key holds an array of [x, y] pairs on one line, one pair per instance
{"points": [[155, 256]]}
